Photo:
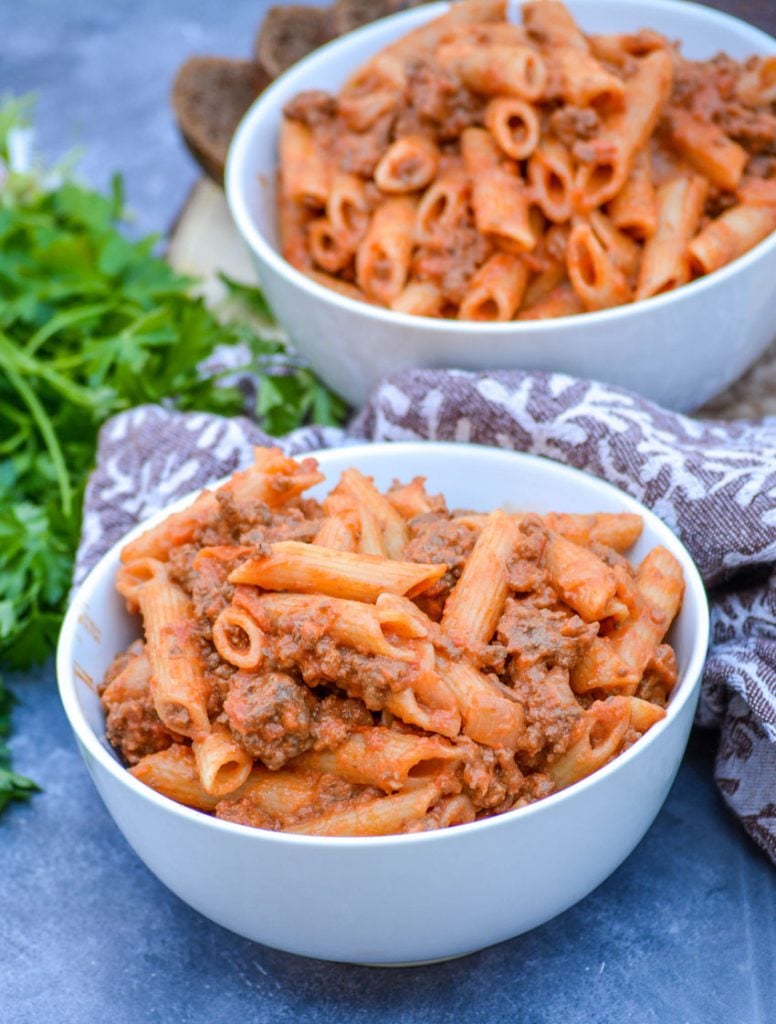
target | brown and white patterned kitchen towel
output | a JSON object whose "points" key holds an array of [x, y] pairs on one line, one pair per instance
{"points": [[713, 483]]}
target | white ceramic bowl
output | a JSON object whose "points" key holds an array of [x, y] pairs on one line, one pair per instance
{"points": [[678, 349], [407, 898]]}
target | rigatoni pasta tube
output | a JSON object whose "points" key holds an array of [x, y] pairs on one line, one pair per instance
{"points": [[312, 569], [730, 235], [223, 765], [495, 290], [665, 262], [383, 257], [477, 600]]}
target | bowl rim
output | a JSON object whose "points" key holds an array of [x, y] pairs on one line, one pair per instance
{"points": [[686, 689], [265, 106]]}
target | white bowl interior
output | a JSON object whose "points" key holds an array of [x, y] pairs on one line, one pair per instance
{"points": [[97, 625]]}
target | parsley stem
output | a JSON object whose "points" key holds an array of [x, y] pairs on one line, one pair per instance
{"points": [[63, 320], [46, 429]]}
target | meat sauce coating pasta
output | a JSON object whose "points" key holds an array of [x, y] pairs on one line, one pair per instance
{"points": [[482, 170], [375, 663]]}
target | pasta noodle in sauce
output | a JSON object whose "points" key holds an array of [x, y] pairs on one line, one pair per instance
{"points": [[375, 663]]}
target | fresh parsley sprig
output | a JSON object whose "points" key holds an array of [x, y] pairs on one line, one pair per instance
{"points": [[91, 323]]}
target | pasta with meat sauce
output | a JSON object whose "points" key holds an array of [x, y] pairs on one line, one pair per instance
{"points": [[376, 663], [490, 171]]}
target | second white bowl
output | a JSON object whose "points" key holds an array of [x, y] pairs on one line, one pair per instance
{"points": [[679, 349]]}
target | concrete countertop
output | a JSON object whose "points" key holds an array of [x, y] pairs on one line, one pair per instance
{"points": [[683, 933]]}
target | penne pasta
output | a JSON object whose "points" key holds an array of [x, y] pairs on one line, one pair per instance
{"points": [[562, 300], [177, 680], [329, 250], [383, 257], [472, 137], [500, 201], [585, 583], [489, 715], [467, 666], [408, 165], [273, 480], [222, 763], [312, 569], [443, 205], [421, 298], [477, 600], [600, 731], [380, 816], [633, 209], [385, 758], [707, 148], [665, 263], [594, 275], [609, 158], [173, 773], [304, 174], [391, 524], [551, 177], [730, 235], [514, 125], [496, 69], [496, 289], [347, 209]]}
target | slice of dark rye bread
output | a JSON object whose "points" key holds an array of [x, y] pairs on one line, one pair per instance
{"points": [[210, 95], [289, 33]]}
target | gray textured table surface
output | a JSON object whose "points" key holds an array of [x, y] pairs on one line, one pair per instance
{"points": [[683, 932]]}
